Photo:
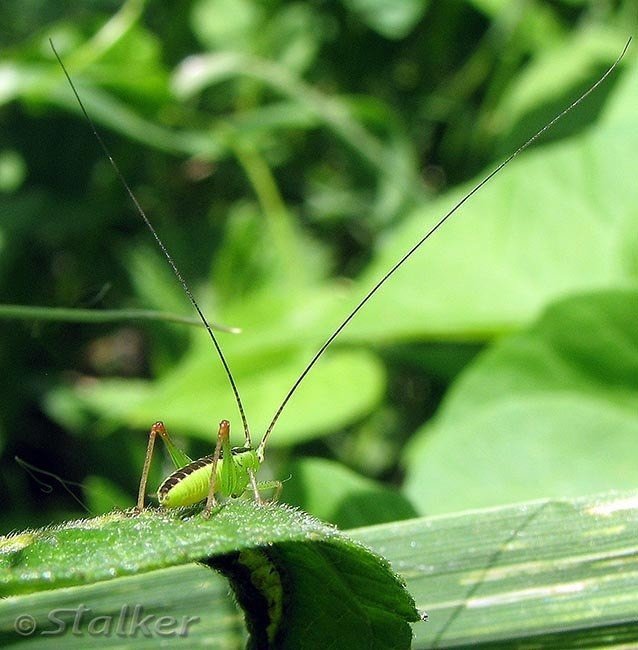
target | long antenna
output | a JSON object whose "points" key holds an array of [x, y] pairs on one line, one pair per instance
{"points": [[163, 248], [428, 234]]}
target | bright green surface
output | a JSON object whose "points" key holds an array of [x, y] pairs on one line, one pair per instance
{"points": [[322, 572], [552, 573]]}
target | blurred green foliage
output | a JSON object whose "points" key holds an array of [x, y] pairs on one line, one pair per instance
{"points": [[288, 153]]}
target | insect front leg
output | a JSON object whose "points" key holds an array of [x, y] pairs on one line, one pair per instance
{"points": [[277, 486], [261, 486], [255, 487]]}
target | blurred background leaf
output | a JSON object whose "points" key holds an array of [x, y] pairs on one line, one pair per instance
{"points": [[551, 408], [288, 153]]}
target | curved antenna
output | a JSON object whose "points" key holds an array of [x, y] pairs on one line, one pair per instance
{"points": [[163, 248], [428, 234]]}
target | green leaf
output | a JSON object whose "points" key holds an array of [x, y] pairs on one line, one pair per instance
{"points": [[548, 412], [279, 335], [546, 84], [274, 553], [320, 582], [388, 17], [191, 595], [558, 220], [336, 494], [183, 397], [550, 574], [220, 24], [12, 170]]}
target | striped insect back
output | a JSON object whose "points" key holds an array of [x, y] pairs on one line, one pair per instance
{"points": [[176, 491]]}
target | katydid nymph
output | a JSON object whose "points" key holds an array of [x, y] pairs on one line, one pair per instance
{"points": [[228, 471]]}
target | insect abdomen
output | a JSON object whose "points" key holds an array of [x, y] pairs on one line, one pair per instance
{"points": [[188, 485]]}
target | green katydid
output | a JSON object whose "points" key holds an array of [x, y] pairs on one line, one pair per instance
{"points": [[230, 471]]}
